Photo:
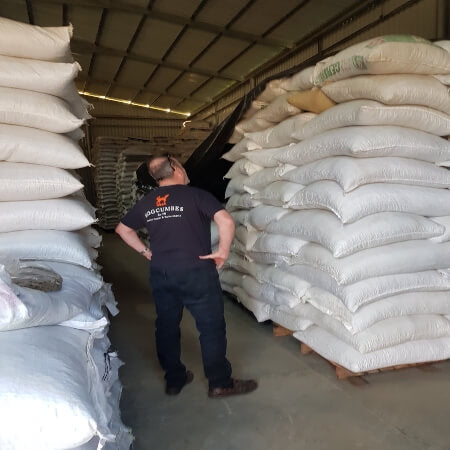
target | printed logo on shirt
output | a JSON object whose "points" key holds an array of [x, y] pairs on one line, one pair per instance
{"points": [[161, 200], [163, 211]]}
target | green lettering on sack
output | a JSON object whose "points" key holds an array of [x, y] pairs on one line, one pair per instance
{"points": [[359, 62]]}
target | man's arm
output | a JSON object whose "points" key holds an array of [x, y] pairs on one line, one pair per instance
{"points": [[225, 226], [131, 238]]}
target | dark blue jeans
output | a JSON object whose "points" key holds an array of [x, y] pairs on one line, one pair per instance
{"points": [[198, 289]]}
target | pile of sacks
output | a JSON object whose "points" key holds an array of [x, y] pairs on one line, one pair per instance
{"points": [[343, 210], [59, 384]]}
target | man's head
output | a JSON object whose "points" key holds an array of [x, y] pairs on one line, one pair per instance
{"points": [[166, 170]]}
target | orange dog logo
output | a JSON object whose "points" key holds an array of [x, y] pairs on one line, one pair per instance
{"points": [[161, 200]]}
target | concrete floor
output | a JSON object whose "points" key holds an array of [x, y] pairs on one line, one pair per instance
{"points": [[299, 405]]}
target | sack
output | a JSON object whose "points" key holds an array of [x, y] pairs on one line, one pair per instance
{"points": [[231, 277], [236, 186], [242, 167], [290, 318], [277, 110], [278, 193], [361, 142], [281, 245], [36, 308], [445, 222], [355, 295], [402, 89], [324, 228], [241, 201], [29, 145], [267, 157], [313, 100], [271, 91], [284, 281], [333, 349], [300, 81], [351, 173], [247, 237], [371, 199], [369, 112], [261, 291], [259, 309], [279, 135], [408, 304], [60, 384], [237, 151], [36, 110], [20, 181], [66, 214], [252, 124], [384, 55], [261, 216], [30, 41], [240, 217], [265, 177], [401, 257], [46, 77], [47, 245]]}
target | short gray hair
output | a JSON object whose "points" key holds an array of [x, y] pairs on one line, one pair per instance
{"points": [[162, 169]]}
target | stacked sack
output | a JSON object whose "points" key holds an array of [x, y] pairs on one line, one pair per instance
{"points": [[348, 223], [58, 379]]}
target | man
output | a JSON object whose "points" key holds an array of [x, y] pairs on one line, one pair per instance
{"points": [[183, 273]]}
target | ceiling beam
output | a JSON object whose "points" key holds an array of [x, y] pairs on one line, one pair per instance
{"points": [[85, 47], [172, 18]]}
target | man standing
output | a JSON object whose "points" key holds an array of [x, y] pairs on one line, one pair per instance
{"points": [[183, 273]]}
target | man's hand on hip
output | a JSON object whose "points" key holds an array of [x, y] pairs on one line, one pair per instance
{"points": [[218, 257]]}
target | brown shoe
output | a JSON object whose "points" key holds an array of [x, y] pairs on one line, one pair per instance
{"points": [[239, 387]]}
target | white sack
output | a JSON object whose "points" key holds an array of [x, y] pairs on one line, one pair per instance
{"points": [[46, 77], [259, 309], [49, 382], [443, 44], [261, 179], [66, 214], [371, 113], [59, 246], [277, 110], [408, 304], [242, 167], [284, 281], [445, 222], [401, 257], [271, 91], [333, 349], [236, 186], [31, 41], [92, 237], [403, 89], [280, 134], [324, 228], [371, 289], [236, 151], [19, 181], [266, 157], [275, 243], [362, 142], [30, 145], [231, 277], [351, 173], [37, 308], [241, 201], [240, 217], [300, 81], [278, 193], [371, 199], [247, 237], [384, 55], [261, 216], [290, 318], [36, 110]]}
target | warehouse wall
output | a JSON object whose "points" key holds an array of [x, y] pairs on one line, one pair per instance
{"points": [[426, 18]]}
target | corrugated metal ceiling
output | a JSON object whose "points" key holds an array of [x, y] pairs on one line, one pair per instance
{"points": [[178, 54]]}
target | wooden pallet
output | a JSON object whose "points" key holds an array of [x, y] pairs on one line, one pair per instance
{"points": [[341, 372]]}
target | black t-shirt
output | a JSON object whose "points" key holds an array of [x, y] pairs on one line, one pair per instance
{"points": [[178, 220]]}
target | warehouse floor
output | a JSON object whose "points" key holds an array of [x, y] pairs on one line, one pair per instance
{"points": [[299, 405]]}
